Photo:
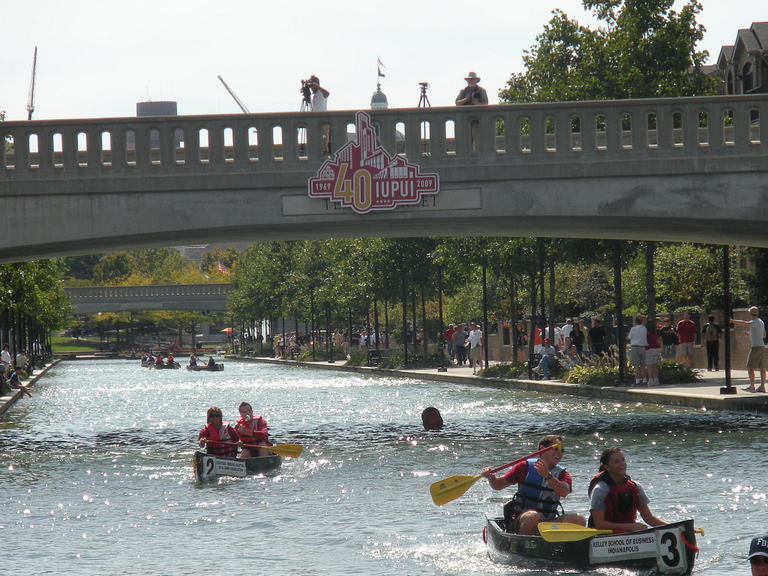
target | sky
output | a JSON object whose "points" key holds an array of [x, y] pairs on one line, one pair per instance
{"points": [[98, 58]]}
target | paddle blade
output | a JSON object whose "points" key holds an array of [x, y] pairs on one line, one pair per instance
{"points": [[288, 450], [451, 488], [566, 532]]}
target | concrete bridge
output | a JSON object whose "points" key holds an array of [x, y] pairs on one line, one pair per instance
{"points": [[683, 169], [93, 299]]}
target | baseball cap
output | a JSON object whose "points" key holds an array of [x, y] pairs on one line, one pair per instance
{"points": [[758, 547]]}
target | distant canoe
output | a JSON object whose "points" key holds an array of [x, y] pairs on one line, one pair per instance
{"points": [[174, 366], [208, 465], [215, 368]]}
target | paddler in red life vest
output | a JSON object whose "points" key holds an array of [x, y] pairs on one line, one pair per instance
{"points": [[217, 431], [159, 360], [253, 432], [542, 482], [615, 499]]}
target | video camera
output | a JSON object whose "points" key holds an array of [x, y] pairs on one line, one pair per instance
{"points": [[306, 90], [306, 87]]}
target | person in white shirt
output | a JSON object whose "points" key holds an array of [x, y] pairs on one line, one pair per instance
{"points": [[756, 358], [638, 340], [475, 341], [5, 356], [548, 359]]}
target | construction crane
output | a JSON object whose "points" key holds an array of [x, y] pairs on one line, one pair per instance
{"points": [[31, 101], [239, 103]]}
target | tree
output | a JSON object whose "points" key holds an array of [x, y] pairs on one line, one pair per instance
{"points": [[113, 269], [645, 50]]}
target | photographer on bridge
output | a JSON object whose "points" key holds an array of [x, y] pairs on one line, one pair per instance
{"points": [[473, 94]]}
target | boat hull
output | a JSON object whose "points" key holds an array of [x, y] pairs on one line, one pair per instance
{"points": [[208, 465], [671, 549], [215, 368]]}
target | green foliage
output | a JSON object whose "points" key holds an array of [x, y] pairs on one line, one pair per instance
{"points": [[513, 370], [674, 373], [645, 49], [113, 269], [594, 375], [757, 279], [687, 276]]}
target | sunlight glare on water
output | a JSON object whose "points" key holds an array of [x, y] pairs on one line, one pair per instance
{"points": [[96, 472]]}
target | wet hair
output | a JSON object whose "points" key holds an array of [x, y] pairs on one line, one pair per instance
{"points": [[213, 411], [243, 405], [431, 418]]}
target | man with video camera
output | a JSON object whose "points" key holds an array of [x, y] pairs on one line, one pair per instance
{"points": [[319, 94], [473, 94]]}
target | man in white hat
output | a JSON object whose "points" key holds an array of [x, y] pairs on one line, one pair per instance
{"points": [[473, 94], [758, 555]]}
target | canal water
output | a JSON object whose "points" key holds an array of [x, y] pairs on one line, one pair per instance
{"points": [[96, 477]]}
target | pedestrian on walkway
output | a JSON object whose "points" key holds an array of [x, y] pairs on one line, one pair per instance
{"points": [[711, 335], [476, 343], [459, 341], [638, 340], [756, 358]]}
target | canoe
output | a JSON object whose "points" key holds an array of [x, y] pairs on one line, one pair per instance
{"points": [[670, 549], [202, 368], [208, 465], [174, 366]]}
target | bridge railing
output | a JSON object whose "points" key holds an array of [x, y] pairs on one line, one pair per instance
{"points": [[290, 141], [146, 292]]}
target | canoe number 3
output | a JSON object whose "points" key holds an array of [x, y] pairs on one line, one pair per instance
{"points": [[670, 549]]}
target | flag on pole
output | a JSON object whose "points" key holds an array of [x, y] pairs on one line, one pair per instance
{"points": [[222, 268], [378, 67]]}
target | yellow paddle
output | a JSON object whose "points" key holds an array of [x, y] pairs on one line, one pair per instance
{"points": [[566, 532], [288, 450], [445, 491]]}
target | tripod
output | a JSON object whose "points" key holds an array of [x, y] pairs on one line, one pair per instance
{"points": [[423, 100], [306, 106]]}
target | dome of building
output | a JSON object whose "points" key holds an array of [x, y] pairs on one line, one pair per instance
{"points": [[379, 99]]}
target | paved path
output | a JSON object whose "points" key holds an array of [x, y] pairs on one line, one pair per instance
{"points": [[9, 399]]}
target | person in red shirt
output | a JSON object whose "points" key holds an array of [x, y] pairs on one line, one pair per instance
{"points": [[253, 432], [449, 341], [218, 437], [686, 331], [541, 484]]}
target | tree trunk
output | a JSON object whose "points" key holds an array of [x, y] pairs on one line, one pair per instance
{"points": [[650, 286]]}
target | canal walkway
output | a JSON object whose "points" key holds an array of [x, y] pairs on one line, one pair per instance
{"points": [[10, 398]]}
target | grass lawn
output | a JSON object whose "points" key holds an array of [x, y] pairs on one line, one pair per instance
{"points": [[64, 344]]}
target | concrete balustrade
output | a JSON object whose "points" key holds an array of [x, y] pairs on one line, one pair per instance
{"points": [[92, 299], [678, 169], [181, 143]]}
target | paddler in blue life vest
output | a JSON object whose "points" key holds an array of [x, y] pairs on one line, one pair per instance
{"points": [[615, 499], [541, 482]]}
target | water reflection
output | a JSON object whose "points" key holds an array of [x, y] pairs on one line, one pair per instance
{"points": [[96, 471]]}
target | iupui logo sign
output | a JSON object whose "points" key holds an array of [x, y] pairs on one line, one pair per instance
{"points": [[365, 178]]}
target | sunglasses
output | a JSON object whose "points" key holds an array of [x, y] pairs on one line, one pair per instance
{"points": [[755, 560]]}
